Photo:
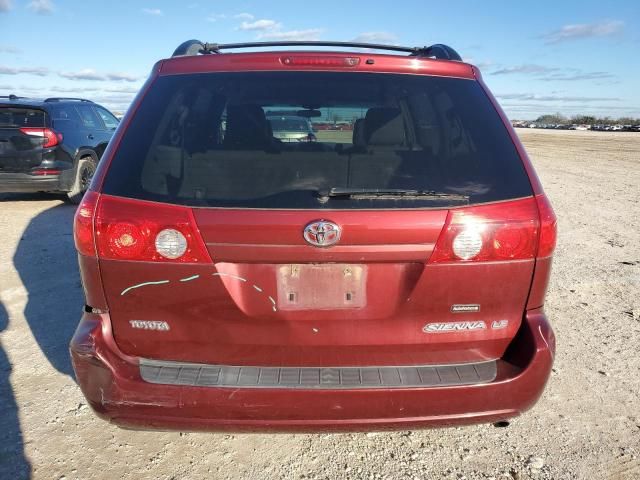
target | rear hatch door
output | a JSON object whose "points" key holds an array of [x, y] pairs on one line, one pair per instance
{"points": [[21, 138], [199, 157]]}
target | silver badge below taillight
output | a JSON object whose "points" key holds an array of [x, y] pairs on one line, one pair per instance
{"points": [[150, 325], [464, 308]]}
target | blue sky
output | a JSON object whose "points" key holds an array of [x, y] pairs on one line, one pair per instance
{"points": [[536, 56]]}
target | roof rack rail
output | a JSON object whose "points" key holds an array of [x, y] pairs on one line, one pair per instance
{"points": [[11, 97], [437, 51], [65, 99]]}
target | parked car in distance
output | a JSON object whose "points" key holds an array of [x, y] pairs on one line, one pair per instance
{"points": [[51, 145], [291, 128], [388, 275]]}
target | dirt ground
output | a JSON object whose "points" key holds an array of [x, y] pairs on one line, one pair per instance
{"points": [[587, 424]]}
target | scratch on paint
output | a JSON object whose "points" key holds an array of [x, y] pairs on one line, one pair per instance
{"points": [[188, 279], [194, 277], [273, 302], [159, 282], [218, 274]]}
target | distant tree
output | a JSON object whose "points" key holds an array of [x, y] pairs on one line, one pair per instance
{"points": [[583, 119], [555, 119], [628, 121]]}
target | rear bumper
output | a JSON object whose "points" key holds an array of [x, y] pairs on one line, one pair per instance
{"points": [[23, 182], [113, 386]]}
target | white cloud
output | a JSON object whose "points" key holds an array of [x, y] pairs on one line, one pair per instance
{"points": [[5, 5], [91, 74], [482, 65], [375, 37], [244, 16], [155, 12], [214, 17], [41, 7], [9, 49], [308, 34], [260, 25], [84, 74], [585, 30], [529, 68], [550, 74], [553, 98], [39, 71], [127, 77]]}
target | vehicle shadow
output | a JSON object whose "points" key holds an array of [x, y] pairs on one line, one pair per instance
{"points": [[46, 262], [13, 463]]}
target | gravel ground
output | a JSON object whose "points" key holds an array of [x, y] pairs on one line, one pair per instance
{"points": [[587, 424]]}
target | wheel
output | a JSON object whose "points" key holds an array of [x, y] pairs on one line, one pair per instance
{"points": [[84, 174]]}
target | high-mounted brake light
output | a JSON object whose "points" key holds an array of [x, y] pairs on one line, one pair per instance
{"points": [[501, 231], [321, 61], [129, 229], [50, 137]]}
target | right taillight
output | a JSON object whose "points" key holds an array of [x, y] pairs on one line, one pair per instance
{"points": [[496, 232], [128, 229], [548, 227]]}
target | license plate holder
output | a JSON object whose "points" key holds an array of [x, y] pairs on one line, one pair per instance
{"points": [[321, 286]]}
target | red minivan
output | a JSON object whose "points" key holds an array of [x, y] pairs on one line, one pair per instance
{"points": [[388, 271]]}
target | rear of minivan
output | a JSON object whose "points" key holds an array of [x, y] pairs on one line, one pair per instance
{"points": [[389, 274]]}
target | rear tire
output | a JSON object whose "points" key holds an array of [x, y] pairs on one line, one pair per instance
{"points": [[84, 174]]}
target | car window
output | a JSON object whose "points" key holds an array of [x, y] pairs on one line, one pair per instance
{"points": [[64, 116], [17, 117], [109, 120], [88, 117], [214, 139]]}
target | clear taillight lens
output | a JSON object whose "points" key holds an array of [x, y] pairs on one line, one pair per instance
{"points": [[467, 244], [171, 243]]}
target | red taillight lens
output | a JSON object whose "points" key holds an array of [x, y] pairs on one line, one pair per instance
{"points": [[129, 229], [83, 224], [320, 61], [50, 137], [548, 227], [502, 231]]}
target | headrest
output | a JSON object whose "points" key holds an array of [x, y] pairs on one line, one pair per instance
{"points": [[247, 127], [358, 133], [384, 126]]}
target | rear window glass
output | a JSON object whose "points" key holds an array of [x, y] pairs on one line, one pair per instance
{"points": [[213, 140], [21, 117]]}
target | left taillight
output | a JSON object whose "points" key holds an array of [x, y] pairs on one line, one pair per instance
{"points": [[128, 229], [83, 232], [497, 232], [50, 137]]}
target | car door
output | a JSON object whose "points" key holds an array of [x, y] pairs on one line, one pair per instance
{"points": [[109, 121], [93, 130]]}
